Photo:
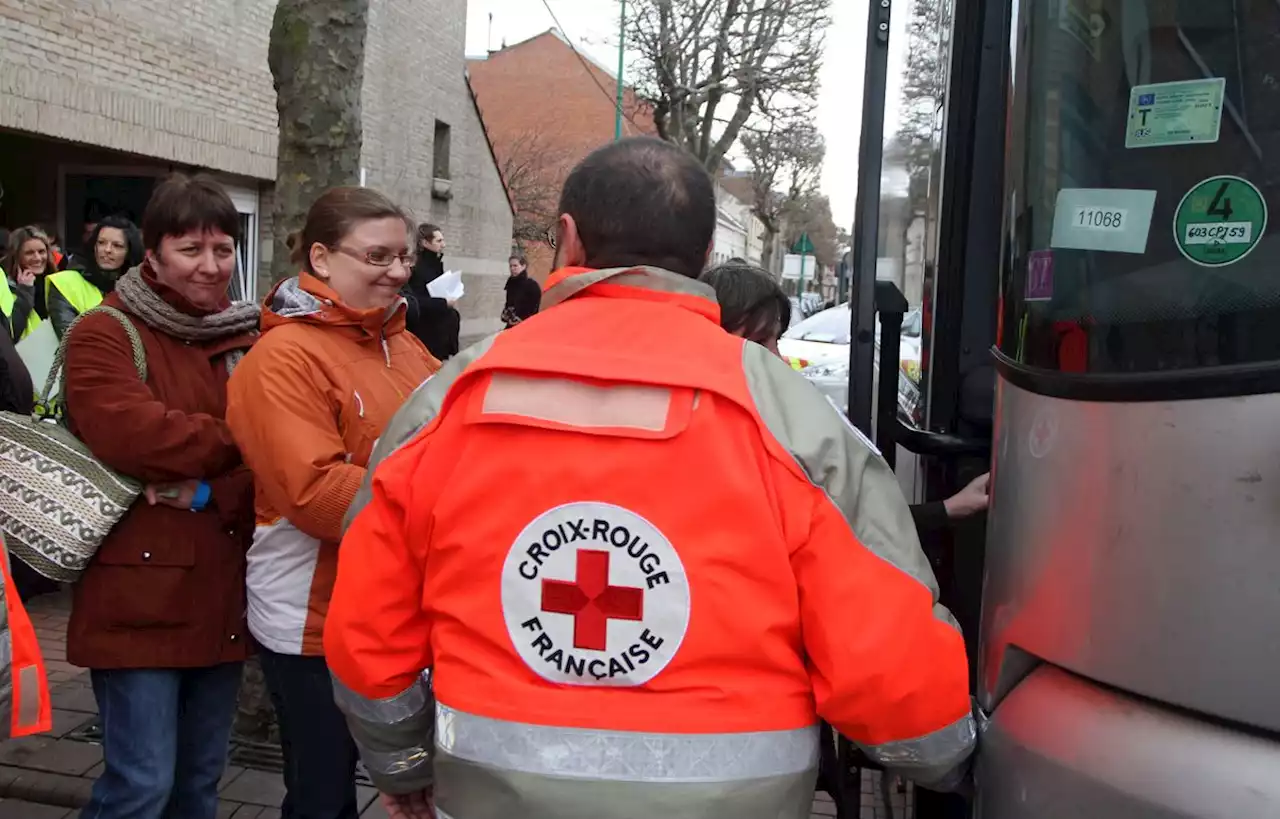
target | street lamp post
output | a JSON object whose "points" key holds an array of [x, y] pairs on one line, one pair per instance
{"points": [[622, 41]]}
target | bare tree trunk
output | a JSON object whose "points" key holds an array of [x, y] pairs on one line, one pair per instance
{"points": [[766, 255], [316, 57]]}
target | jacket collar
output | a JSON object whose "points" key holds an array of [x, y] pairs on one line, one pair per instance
{"points": [[308, 299], [647, 283]]}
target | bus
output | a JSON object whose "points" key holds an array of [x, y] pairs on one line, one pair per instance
{"points": [[1080, 197]]}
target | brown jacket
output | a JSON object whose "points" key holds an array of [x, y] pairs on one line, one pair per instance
{"points": [[166, 589]]}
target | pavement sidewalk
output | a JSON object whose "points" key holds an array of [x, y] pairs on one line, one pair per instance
{"points": [[50, 776]]}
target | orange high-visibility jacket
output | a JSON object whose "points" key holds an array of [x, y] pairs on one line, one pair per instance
{"points": [[24, 687], [637, 559]]}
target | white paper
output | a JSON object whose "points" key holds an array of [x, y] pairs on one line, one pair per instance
{"points": [[37, 351], [447, 286], [1113, 220]]}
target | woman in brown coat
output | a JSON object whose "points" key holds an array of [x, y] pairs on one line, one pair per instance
{"points": [[158, 616]]}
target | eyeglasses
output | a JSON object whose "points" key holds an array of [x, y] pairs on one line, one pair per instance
{"points": [[551, 236], [378, 257]]}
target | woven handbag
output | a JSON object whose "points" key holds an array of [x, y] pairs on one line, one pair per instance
{"points": [[57, 501]]}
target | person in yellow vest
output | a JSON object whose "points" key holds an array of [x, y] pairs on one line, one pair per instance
{"points": [[115, 246], [26, 258]]}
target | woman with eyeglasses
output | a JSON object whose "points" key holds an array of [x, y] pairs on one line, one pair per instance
{"points": [[305, 407]]}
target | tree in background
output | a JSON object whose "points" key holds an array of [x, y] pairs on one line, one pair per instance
{"points": [[786, 163], [316, 56], [914, 145], [710, 68], [533, 169], [812, 215]]}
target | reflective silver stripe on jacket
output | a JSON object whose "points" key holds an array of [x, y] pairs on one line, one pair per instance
{"points": [[394, 735], [623, 755], [863, 487], [856, 479], [419, 410], [931, 759], [494, 769]]}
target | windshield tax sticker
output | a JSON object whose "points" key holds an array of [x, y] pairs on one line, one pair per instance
{"points": [[1220, 221]]}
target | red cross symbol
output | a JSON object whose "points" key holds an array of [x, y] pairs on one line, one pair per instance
{"points": [[591, 600]]}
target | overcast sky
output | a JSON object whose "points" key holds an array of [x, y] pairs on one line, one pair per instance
{"points": [[593, 26]]}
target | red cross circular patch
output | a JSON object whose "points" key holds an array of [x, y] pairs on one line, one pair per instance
{"points": [[594, 594]]}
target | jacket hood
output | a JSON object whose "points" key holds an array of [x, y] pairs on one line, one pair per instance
{"points": [[307, 299]]}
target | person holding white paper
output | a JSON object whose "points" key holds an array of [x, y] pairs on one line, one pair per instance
{"points": [[432, 319]]}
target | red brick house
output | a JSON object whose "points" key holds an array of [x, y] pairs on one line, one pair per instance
{"points": [[545, 107]]}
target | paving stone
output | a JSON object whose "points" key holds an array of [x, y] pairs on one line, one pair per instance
{"points": [[95, 771], [375, 810], [17, 809], [48, 754], [255, 788], [46, 788], [226, 809], [269, 813], [229, 775], [75, 695], [364, 797], [64, 722], [247, 812]]}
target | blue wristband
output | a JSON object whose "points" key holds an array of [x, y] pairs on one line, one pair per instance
{"points": [[203, 494]]}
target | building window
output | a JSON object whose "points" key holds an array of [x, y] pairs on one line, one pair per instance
{"points": [[441, 147]]}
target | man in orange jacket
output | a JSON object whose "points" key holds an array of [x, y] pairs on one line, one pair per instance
{"points": [[637, 558]]}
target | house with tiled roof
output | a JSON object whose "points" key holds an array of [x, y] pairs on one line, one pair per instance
{"points": [[545, 106]]}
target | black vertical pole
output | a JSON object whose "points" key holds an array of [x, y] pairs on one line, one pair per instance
{"points": [[866, 222]]}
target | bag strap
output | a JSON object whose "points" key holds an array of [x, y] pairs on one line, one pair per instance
{"points": [[46, 406]]}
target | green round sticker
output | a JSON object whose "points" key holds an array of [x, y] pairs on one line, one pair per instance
{"points": [[1220, 221]]}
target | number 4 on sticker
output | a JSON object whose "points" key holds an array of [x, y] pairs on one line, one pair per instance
{"points": [[1221, 204]]}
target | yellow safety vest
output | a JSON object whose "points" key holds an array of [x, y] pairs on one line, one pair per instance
{"points": [[75, 288], [7, 299]]}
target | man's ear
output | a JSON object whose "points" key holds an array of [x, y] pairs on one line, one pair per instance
{"points": [[569, 249]]}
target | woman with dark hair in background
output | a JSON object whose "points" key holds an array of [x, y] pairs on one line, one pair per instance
{"points": [[115, 247], [27, 259], [434, 321], [524, 295]]}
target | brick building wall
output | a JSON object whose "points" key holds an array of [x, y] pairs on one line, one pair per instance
{"points": [[545, 110], [187, 85], [183, 82], [415, 78]]}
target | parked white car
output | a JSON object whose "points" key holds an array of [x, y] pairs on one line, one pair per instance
{"points": [[819, 348]]}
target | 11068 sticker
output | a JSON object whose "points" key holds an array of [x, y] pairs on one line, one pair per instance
{"points": [[594, 594]]}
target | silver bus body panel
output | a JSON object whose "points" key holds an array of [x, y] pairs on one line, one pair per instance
{"points": [[1138, 545]]}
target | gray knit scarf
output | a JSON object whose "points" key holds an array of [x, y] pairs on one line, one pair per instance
{"points": [[158, 314]]}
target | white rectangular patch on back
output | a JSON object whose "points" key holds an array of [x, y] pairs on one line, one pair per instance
{"points": [[578, 404]]}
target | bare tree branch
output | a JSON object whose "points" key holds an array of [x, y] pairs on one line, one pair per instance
{"points": [[786, 161], [708, 67], [532, 167]]}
